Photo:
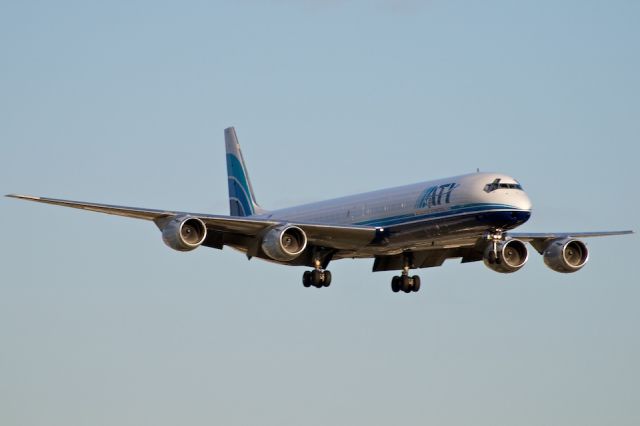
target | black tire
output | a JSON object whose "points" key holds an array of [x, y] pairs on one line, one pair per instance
{"points": [[405, 283], [306, 279], [416, 283], [316, 278], [327, 278], [395, 284]]}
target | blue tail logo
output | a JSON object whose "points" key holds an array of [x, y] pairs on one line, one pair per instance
{"points": [[241, 198]]}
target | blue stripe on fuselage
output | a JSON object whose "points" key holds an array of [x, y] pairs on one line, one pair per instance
{"points": [[453, 211]]}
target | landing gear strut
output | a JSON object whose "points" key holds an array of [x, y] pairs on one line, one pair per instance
{"points": [[404, 282], [318, 277], [494, 257]]}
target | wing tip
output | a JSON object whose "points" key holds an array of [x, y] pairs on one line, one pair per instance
{"points": [[625, 232], [22, 197]]}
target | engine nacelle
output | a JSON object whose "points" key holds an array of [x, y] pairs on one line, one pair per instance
{"points": [[510, 256], [184, 233], [284, 243], [566, 255]]}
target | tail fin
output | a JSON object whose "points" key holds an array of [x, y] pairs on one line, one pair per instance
{"points": [[242, 202]]}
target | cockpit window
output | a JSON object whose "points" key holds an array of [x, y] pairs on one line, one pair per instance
{"points": [[497, 185]]}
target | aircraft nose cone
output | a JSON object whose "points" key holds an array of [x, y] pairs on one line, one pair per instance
{"points": [[523, 202]]}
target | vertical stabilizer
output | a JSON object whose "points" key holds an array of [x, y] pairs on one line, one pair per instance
{"points": [[242, 201]]}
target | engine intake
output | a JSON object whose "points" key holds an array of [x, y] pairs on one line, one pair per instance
{"points": [[284, 243], [510, 256], [184, 233], [566, 255]]}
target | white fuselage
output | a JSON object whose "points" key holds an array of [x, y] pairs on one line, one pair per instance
{"points": [[428, 215], [406, 205]]}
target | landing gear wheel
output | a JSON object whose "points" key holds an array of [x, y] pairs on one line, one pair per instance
{"points": [[416, 283], [395, 284], [316, 278], [327, 278], [405, 283]]}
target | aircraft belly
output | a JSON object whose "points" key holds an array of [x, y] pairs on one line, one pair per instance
{"points": [[452, 232]]}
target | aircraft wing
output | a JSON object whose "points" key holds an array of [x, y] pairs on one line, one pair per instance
{"points": [[539, 240], [330, 236], [472, 253]]}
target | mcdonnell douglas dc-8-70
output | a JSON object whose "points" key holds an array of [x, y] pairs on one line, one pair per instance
{"points": [[403, 228]]}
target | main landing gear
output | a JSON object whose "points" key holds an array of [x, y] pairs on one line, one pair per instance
{"points": [[404, 282], [318, 277]]}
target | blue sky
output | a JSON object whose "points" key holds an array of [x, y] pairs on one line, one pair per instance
{"points": [[125, 102]]}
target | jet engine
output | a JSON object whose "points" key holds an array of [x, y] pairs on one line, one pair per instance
{"points": [[509, 256], [184, 233], [284, 243], [566, 255]]}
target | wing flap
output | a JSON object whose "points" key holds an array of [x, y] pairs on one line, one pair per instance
{"points": [[425, 258], [338, 236]]}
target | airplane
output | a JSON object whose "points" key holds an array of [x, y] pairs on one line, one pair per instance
{"points": [[403, 228]]}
